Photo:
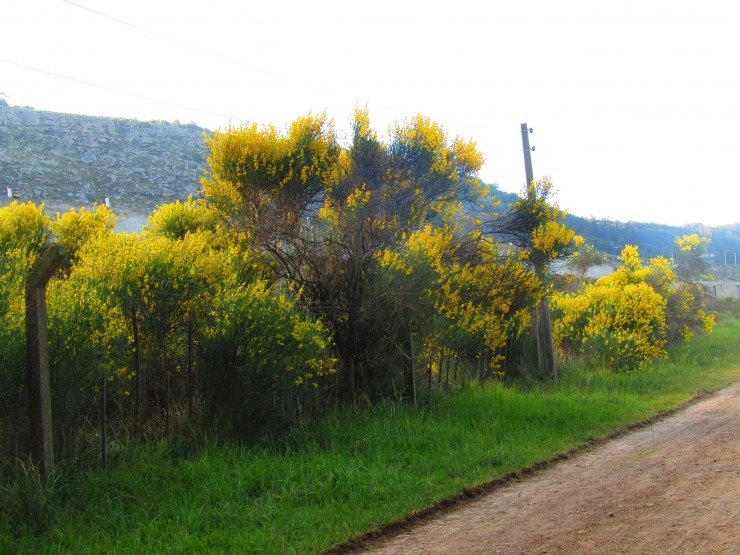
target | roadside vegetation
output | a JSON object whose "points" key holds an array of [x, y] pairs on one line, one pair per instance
{"points": [[330, 480], [331, 338]]}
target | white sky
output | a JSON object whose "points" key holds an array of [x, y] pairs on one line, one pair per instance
{"points": [[634, 103]]}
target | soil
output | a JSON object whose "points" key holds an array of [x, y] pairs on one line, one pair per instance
{"points": [[671, 487]]}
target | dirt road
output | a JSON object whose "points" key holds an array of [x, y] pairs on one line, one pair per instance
{"points": [[672, 487]]}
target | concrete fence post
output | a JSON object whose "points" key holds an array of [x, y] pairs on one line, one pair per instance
{"points": [[37, 346]]}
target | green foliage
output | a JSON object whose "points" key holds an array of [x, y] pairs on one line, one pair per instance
{"points": [[583, 259], [625, 319], [262, 361], [307, 259], [349, 473], [184, 271], [691, 249], [29, 502], [374, 194], [654, 239]]}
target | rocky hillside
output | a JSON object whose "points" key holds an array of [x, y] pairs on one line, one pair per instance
{"points": [[66, 160]]}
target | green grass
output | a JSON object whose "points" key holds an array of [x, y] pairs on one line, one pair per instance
{"points": [[347, 474]]}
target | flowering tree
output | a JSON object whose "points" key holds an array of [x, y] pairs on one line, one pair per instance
{"points": [[691, 251], [532, 225], [321, 215]]}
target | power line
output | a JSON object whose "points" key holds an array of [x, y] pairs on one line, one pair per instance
{"points": [[340, 136], [126, 93], [174, 41], [195, 48], [226, 58]]}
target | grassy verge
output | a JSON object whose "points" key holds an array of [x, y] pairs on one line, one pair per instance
{"points": [[344, 475]]}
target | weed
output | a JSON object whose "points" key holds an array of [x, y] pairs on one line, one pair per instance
{"points": [[29, 500]]}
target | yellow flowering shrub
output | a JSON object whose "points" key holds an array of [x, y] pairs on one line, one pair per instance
{"points": [[88, 342], [177, 219], [550, 238], [74, 229], [622, 328], [262, 360], [434, 172], [690, 243], [23, 228], [690, 263], [258, 174], [533, 226], [626, 319], [184, 268], [23, 231], [685, 311], [470, 301], [14, 266]]}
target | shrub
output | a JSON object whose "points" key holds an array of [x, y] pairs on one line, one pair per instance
{"points": [[260, 361], [618, 327], [624, 320]]}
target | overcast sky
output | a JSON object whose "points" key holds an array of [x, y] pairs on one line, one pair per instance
{"points": [[634, 103]]}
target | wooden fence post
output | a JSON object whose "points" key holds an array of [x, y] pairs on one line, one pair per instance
{"points": [[190, 366], [37, 347], [137, 370]]}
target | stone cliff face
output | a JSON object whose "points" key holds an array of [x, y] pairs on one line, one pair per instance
{"points": [[66, 160]]}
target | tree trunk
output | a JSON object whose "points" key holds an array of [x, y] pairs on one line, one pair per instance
{"points": [[409, 374]]}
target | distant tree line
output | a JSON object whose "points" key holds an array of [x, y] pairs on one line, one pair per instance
{"points": [[652, 239]]}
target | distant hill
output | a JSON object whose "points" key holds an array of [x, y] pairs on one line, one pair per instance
{"points": [[652, 239], [656, 239], [66, 160]]}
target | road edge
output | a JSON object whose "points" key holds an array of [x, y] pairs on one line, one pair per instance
{"points": [[387, 531]]}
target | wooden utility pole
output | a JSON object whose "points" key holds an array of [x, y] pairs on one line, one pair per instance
{"points": [[548, 348], [545, 347], [527, 155], [37, 346]]}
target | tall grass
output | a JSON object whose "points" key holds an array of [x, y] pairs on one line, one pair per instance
{"points": [[356, 470]]}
